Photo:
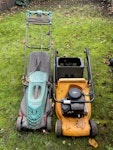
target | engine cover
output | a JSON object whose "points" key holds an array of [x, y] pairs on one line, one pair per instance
{"points": [[75, 108]]}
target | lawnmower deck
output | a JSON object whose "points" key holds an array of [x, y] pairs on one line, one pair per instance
{"points": [[73, 126]]}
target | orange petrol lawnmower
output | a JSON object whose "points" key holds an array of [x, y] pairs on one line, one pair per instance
{"points": [[73, 95]]}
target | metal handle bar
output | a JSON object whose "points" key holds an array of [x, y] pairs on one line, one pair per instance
{"points": [[71, 101], [88, 65], [38, 12], [90, 78]]}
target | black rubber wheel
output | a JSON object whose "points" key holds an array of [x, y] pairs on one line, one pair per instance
{"points": [[19, 124], [94, 129], [49, 123], [111, 62], [58, 128]]}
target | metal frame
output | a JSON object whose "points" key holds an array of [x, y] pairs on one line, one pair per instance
{"points": [[41, 18]]}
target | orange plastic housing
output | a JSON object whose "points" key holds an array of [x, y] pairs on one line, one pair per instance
{"points": [[73, 126]]}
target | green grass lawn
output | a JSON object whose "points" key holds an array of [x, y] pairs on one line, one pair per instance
{"points": [[76, 25]]}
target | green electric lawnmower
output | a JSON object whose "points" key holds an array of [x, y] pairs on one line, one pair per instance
{"points": [[36, 105]]}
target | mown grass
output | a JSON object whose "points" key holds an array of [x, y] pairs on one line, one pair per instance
{"points": [[76, 25]]}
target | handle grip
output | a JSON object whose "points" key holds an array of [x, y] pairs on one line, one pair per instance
{"points": [[38, 12]]}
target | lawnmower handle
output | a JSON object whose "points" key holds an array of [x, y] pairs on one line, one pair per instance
{"points": [[63, 100], [90, 78], [38, 12], [88, 65]]}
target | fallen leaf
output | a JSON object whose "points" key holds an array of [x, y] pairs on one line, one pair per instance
{"points": [[64, 142], [52, 43], [80, 124], [65, 55], [107, 63], [93, 142], [97, 74], [67, 46], [45, 132], [110, 70], [69, 144], [59, 6], [24, 41]]}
